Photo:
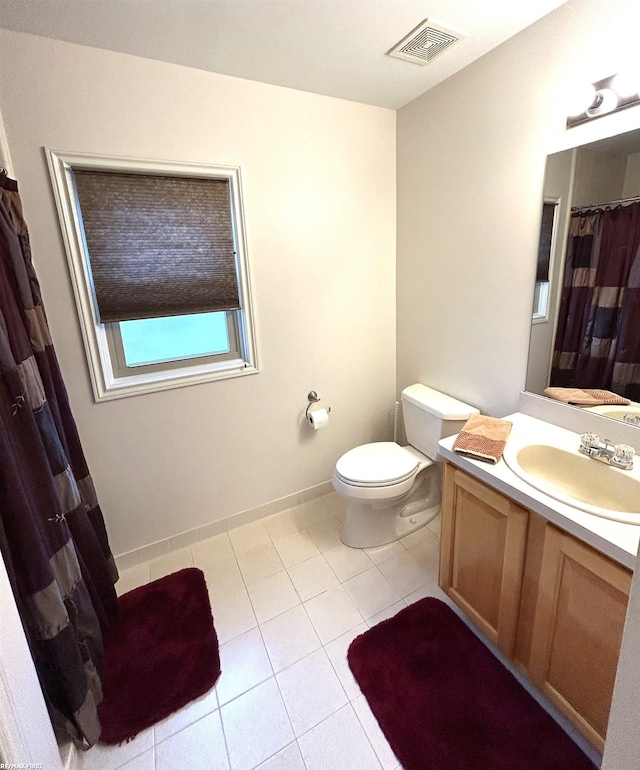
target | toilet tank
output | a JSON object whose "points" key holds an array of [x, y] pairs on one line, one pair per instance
{"points": [[430, 415]]}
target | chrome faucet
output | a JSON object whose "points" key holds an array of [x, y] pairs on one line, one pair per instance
{"points": [[620, 456]]}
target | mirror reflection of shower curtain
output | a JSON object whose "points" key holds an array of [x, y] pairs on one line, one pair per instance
{"points": [[598, 334]]}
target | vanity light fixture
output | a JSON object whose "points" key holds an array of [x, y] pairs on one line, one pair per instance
{"points": [[617, 92]]}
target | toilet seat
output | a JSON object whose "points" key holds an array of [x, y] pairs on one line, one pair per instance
{"points": [[380, 464]]}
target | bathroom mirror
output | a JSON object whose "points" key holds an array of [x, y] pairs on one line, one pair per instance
{"points": [[574, 248]]}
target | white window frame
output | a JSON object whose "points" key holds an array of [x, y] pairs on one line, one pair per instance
{"points": [[541, 302], [107, 380]]}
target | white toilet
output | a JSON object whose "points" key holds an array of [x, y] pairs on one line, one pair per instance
{"points": [[394, 490]]}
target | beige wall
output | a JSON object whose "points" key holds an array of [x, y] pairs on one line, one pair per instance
{"points": [[600, 177], [470, 171], [632, 177], [319, 183]]}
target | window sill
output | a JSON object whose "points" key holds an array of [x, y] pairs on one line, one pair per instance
{"points": [[540, 319], [110, 388]]}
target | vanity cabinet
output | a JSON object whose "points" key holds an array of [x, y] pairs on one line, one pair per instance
{"points": [[547, 600], [577, 630], [482, 551]]}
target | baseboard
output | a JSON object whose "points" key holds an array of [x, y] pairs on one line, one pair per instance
{"points": [[185, 539]]}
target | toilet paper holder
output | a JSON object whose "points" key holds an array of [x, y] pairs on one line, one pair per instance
{"points": [[313, 398]]}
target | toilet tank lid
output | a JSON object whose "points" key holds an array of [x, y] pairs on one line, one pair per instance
{"points": [[436, 403]]}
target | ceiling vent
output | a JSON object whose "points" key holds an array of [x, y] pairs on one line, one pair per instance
{"points": [[425, 42]]}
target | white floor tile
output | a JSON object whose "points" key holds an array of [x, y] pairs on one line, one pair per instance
{"points": [[223, 578], [431, 589], [315, 681], [289, 758], [384, 552], [337, 654], [233, 615], [244, 663], [259, 564], [289, 638], [371, 592], [201, 746], [404, 573], [296, 548], [144, 761], [424, 533], [387, 613], [434, 525], [338, 742], [383, 751], [313, 511], [256, 726], [131, 578], [311, 691], [427, 554], [347, 562], [248, 537], [186, 716], [282, 524], [273, 596], [326, 534], [102, 757], [212, 550], [171, 562], [312, 577], [332, 614]]}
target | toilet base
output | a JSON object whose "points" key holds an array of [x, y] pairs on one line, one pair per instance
{"points": [[372, 523], [355, 538]]}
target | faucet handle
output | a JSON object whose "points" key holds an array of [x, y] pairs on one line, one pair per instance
{"points": [[623, 455], [588, 440]]}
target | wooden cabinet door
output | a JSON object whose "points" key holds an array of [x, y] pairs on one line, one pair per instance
{"points": [[482, 549], [577, 630]]}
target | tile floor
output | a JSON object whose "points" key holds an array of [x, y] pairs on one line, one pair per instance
{"points": [[287, 600]]}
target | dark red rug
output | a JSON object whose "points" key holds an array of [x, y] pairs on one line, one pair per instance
{"points": [[162, 653], [444, 702]]}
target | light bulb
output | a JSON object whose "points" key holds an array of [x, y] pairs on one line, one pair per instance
{"points": [[605, 101], [626, 84]]}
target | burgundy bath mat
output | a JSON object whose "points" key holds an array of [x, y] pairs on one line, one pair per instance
{"points": [[444, 701], [161, 655]]}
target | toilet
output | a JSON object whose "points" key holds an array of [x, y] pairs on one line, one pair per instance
{"points": [[394, 490]]}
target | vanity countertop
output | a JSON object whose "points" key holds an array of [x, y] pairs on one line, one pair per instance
{"points": [[613, 538]]}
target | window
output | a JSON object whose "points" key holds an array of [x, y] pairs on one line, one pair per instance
{"points": [[545, 249], [159, 268]]}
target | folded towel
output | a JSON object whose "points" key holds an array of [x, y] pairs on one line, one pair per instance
{"points": [[585, 396], [483, 438]]}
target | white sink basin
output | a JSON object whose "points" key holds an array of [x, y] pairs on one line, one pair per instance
{"points": [[578, 481], [618, 412]]}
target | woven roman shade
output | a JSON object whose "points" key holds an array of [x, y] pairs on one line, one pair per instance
{"points": [[158, 245], [544, 246]]}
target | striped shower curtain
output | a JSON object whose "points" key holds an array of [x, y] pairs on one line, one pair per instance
{"points": [[598, 334], [52, 534]]}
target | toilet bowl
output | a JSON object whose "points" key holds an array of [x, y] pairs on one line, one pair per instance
{"points": [[394, 490]]}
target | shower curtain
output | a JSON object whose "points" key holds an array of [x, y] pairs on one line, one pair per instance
{"points": [[598, 336], [52, 534]]}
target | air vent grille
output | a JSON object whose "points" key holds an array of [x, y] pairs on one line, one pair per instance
{"points": [[425, 42]]}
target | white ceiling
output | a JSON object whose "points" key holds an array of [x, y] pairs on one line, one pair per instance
{"points": [[331, 47]]}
